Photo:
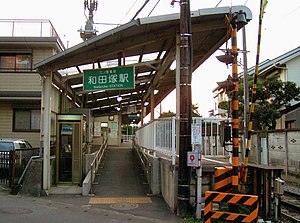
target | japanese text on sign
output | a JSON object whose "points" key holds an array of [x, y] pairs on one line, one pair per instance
{"points": [[109, 78]]}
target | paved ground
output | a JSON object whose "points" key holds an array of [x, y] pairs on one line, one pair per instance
{"points": [[119, 195]]}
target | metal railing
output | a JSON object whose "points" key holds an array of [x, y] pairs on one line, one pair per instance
{"points": [[29, 28], [127, 138], [13, 164], [160, 136], [97, 160]]}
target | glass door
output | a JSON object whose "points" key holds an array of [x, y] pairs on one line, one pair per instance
{"points": [[65, 152]]}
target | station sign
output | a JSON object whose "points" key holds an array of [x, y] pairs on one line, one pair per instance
{"points": [[109, 78]]}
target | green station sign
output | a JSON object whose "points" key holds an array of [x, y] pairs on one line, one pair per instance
{"points": [[108, 78]]}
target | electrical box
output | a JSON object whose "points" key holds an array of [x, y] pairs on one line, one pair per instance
{"points": [[279, 186]]}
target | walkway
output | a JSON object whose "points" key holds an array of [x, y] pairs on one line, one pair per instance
{"points": [[121, 185]]}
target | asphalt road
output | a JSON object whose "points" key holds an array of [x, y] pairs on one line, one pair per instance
{"points": [[25, 209]]}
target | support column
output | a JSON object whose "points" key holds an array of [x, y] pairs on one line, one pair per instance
{"points": [[152, 103], [177, 92], [185, 108], [142, 114], [46, 126]]}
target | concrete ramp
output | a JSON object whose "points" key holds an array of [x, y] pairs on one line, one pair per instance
{"points": [[120, 185], [120, 175]]}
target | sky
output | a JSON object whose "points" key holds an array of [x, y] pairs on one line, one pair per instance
{"points": [[279, 31]]}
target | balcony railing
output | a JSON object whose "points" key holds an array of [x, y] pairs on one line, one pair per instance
{"points": [[29, 28]]}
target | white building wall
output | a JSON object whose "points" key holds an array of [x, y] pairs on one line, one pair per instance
{"points": [[293, 67]]}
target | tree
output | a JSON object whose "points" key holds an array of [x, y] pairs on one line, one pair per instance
{"points": [[271, 95], [195, 112], [167, 114]]}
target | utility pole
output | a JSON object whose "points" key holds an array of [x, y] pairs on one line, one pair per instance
{"points": [[185, 107]]}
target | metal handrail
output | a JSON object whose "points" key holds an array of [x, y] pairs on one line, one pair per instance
{"points": [[17, 187], [96, 161]]}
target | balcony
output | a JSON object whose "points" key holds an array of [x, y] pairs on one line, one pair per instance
{"points": [[28, 28]]}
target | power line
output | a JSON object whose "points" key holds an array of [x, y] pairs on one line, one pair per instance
{"points": [[128, 11], [153, 8], [145, 3], [218, 3]]}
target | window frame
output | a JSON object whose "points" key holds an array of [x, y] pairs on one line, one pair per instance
{"points": [[15, 55], [30, 129]]}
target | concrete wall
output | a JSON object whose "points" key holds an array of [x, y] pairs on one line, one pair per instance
{"points": [[169, 183], [32, 183], [282, 149]]}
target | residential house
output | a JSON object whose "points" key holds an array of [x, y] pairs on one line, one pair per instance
{"points": [[286, 67], [22, 44]]}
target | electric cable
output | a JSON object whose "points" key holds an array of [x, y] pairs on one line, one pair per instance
{"points": [[128, 12], [153, 8], [138, 12]]}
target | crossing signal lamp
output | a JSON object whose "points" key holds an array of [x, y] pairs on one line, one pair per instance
{"points": [[227, 85]]}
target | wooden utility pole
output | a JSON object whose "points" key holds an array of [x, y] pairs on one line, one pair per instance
{"points": [[185, 107]]}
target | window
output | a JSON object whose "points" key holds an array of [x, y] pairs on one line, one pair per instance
{"points": [[15, 62], [290, 124], [26, 120]]}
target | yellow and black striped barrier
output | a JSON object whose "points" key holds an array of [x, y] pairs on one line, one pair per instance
{"points": [[223, 179], [251, 201]]}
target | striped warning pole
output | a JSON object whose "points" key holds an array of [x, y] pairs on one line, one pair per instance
{"points": [[235, 110], [253, 96]]}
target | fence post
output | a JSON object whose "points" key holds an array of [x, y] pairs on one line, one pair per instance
{"points": [[154, 138], [173, 141], [286, 154]]}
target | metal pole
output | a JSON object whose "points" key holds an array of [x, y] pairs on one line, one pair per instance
{"points": [[185, 107], [199, 185], [235, 112], [246, 90], [253, 97]]}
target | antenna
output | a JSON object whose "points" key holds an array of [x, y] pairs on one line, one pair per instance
{"points": [[89, 31]]}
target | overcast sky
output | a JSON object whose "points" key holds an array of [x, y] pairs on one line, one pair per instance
{"points": [[280, 30]]}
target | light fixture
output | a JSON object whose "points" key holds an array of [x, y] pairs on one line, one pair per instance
{"points": [[119, 98], [227, 58]]}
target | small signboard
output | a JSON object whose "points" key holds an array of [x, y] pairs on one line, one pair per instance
{"points": [[197, 133], [193, 159], [109, 78]]}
